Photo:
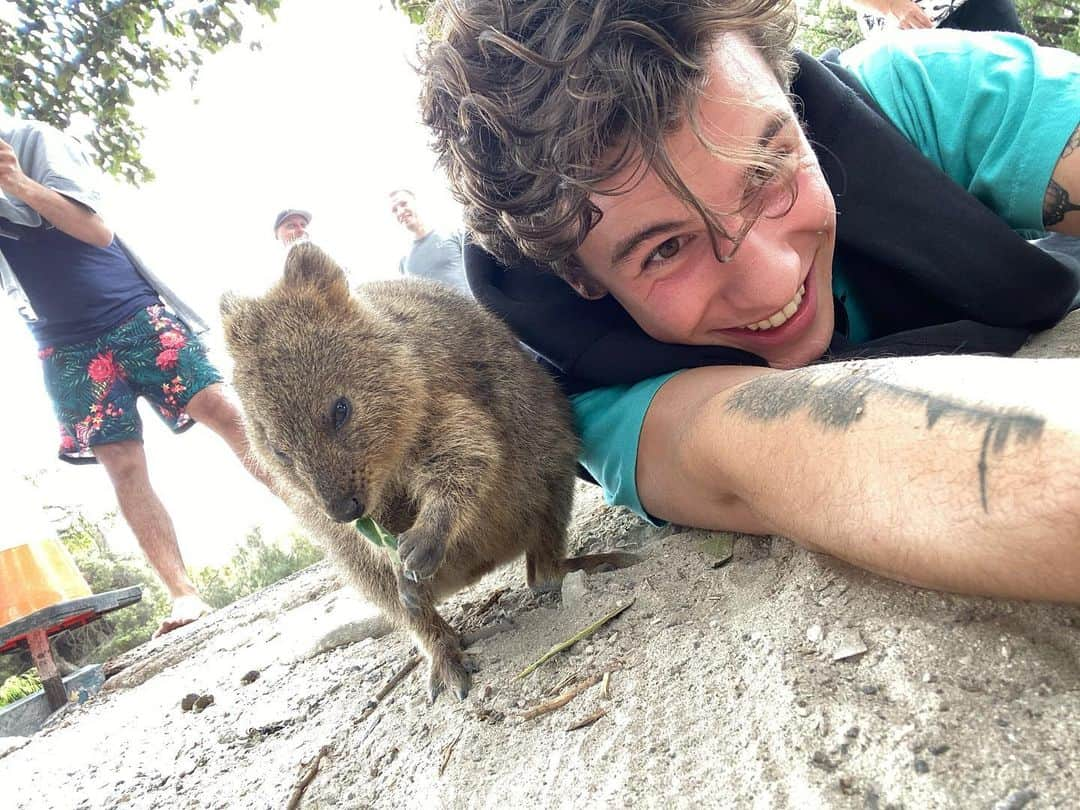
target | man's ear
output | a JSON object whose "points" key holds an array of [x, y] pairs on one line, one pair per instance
{"points": [[585, 286], [308, 265]]}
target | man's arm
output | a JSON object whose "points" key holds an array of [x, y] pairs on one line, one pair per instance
{"points": [[71, 217], [1061, 205], [906, 13], [959, 473]]}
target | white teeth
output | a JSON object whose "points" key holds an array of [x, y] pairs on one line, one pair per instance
{"points": [[780, 317]]}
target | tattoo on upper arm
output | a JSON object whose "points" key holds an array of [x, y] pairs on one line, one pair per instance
{"points": [[1071, 145], [838, 402], [1056, 202]]}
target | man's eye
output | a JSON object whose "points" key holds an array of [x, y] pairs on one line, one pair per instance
{"points": [[342, 410], [666, 250]]}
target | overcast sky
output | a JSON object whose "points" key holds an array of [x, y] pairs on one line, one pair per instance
{"points": [[323, 118]]}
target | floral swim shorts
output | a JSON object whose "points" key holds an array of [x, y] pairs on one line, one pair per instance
{"points": [[94, 384]]}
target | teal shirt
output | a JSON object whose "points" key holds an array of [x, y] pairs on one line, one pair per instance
{"points": [[993, 110]]}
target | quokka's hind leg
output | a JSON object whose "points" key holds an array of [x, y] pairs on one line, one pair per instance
{"points": [[543, 571]]}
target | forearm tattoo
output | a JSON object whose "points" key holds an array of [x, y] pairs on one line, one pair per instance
{"points": [[839, 402], [1056, 202]]}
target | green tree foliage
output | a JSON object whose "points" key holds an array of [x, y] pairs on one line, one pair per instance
{"points": [[106, 570], [19, 686], [1051, 22], [255, 565], [825, 24], [60, 60], [415, 10]]}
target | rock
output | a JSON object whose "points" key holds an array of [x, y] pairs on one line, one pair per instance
{"points": [[814, 633], [938, 750], [249, 677], [849, 644], [202, 702], [574, 588], [921, 766], [349, 632], [720, 547], [1017, 799], [188, 701]]}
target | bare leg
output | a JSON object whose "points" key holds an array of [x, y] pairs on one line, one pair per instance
{"points": [[125, 463], [213, 407]]}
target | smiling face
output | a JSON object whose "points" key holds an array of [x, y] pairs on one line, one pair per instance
{"points": [[403, 209], [293, 227], [653, 253]]}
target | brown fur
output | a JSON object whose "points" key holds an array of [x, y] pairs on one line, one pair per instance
{"points": [[456, 441]]}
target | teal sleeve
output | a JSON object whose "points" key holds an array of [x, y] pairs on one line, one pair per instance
{"points": [[993, 110], [609, 421]]}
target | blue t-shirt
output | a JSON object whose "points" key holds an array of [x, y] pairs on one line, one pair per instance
{"points": [[78, 291], [993, 110]]}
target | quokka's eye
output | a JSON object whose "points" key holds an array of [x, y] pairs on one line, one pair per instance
{"points": [[342, 411], [282, 456]]}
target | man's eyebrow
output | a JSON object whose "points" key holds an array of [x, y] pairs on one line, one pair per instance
{"points": [[627, 245], [778, 120]]}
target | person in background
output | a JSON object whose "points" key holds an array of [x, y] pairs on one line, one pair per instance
{"points": [[290, 225], [876, 16], [108, 332], [433, 255]]}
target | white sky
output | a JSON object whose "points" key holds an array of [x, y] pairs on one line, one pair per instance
{"points": [[323, 118]]}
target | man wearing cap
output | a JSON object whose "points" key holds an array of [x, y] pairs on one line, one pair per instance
{"points": [[108, 332], [291, 225]]}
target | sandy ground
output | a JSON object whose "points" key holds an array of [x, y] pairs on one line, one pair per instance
{"points": [[775, 678]]}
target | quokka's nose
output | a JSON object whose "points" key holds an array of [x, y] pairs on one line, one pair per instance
{"points": [[345, 509]]}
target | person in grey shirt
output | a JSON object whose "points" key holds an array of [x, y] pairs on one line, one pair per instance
{"points": [[433, 255]]}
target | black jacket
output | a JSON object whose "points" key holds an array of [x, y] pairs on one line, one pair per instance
{"points": [[934, 269]]}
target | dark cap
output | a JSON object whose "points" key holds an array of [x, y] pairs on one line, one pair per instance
{"points": [[288, 212]]}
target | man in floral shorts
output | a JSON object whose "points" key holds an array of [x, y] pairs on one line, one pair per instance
{"points": [[105, 337]]}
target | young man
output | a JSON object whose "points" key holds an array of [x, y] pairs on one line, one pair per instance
{"points": [[729, 213], [433, 255], [290, 225], [104, 337]]}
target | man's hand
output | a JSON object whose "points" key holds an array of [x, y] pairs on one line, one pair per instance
{"points": [[12, 179], [909, 15], [65, 214]]}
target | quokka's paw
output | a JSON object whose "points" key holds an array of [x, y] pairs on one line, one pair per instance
{"points": [[450, 669], [413, 595], [420, 552]]}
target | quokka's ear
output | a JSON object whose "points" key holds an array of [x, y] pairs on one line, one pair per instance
{"points": [[242, 324], [308, 265]]}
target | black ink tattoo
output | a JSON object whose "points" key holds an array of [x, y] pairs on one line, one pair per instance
{"points": [[1072, 145], [1056, 204], [838, 402]]}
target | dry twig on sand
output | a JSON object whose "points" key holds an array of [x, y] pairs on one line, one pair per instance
{"points": [[449, 750], [305, 779], [388, 687], [586, 721], [570, 642], [561, 700]]}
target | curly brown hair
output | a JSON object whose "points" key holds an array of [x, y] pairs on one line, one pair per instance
{"points": [[528, 99]]}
